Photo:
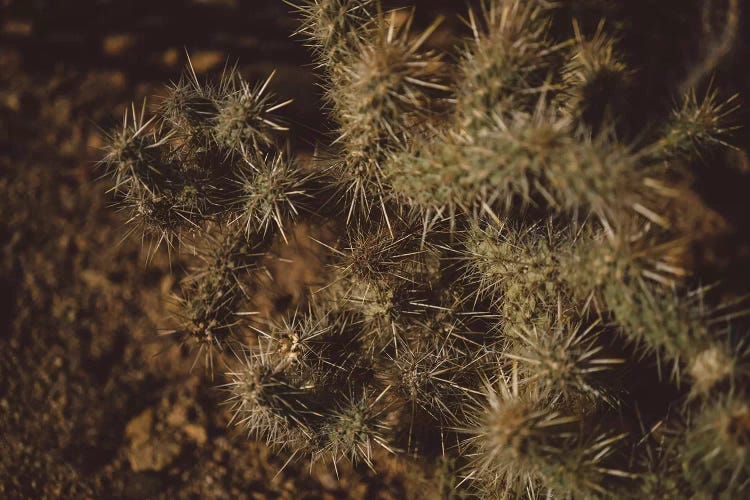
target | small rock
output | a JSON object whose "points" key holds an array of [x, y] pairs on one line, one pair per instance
{"points": [[205, 60], [177, 417], [139, 429], [95, 279], [115, 45], [152, 456], [328, 482], [146, 452], [18, 27], [196, 433], [13, 101], [95, 141], [170, 57]]}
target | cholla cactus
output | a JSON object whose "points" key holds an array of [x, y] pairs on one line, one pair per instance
{"points": [[508, 260]]}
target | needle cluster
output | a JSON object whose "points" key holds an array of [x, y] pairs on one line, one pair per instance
{"points": [[503, 265]]}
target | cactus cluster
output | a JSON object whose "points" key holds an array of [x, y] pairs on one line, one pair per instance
{"points": [[504, 259]]}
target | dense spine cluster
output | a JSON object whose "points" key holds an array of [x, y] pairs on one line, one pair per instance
{"points": [[508, 259]]}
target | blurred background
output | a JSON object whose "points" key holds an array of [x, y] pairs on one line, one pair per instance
{"points": [[93, 403]]}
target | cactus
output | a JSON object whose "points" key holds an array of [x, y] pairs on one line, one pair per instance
{"points": [[501, 256]]}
